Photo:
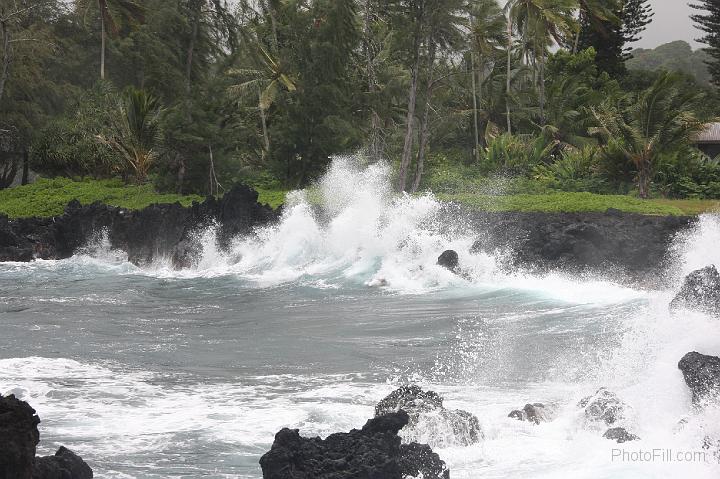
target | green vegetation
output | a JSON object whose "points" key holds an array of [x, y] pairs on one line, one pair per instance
{"points": [[192, 96], [47, 198], [675, 56], [581, 202]]}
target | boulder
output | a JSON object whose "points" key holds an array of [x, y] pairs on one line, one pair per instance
{"points": [[449, 259], [603, 406], [65, 464], [700, 290], [19, 437], [535, 413], [619, 435], [702, 375], [374, 451], [429, 419]]}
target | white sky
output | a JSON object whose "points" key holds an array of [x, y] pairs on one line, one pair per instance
{"points": [[671, 22]]}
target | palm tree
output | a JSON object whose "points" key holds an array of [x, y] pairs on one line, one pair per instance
{"points": [[134, 131], [266, 81], [113, 13], [487, 35], [540, 23], [645, 125]]}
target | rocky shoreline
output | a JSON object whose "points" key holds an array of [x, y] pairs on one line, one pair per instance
{"points": [[167, 230], [629, 246]]}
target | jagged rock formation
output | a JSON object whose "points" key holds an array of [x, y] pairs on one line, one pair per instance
{"points": [[700, 290], [535, 413], [19, 437], [373, 452], [158, 230], [702, 376], [428, 418]]}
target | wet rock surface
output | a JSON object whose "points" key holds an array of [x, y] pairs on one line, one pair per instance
{"points": [[168, 230], [19, 437], [373, 452], [700, 291], [604, 406], [449, 259], [619, 435], [535, 413], [702, 376], [429, 419], [625, 246]]}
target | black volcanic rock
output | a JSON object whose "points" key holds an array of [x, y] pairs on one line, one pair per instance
{"points": [[624, 245], [535, 413], [373, 452], [65, 464], [168, 230], [449, 259], [700, 290], [428, 416], [702, 375], [619, 435], [19, 437]]}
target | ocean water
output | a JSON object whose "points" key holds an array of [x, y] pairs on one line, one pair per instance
{"points": [[155, 373]]}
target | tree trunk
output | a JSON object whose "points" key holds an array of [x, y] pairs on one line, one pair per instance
{"points": [[375, 148], [102, 40], [25, 168], [408, 145], [509, 70], [266, 138], [6, 57], [644, 179], [191, 47], [476, 151], [424, 133], [180, 174], [541, 88]]}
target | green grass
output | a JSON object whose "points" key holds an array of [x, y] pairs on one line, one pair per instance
{"points": [[48, 197], [273, 198], [581, 202]]}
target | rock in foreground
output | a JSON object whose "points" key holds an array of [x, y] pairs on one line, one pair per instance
{"points": [[19, 437], [373, 452], [701, 291], [702, 375], [429, 419]]}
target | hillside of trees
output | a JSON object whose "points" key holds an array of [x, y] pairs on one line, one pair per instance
{"points": [[195, 95], [675, 56]]}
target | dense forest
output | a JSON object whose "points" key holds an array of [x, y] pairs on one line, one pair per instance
{"points": [[195, 95]]}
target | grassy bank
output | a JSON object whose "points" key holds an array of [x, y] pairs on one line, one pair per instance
{"points": [[48, 197], [582, 202]]}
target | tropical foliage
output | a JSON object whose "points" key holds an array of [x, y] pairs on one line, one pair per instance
{"points": [[459, 95]]}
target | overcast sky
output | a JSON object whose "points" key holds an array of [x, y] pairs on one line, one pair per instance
{"points": [[671, 22]]}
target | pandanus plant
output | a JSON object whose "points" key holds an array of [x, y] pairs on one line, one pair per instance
{"points": [[135, 132]]}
